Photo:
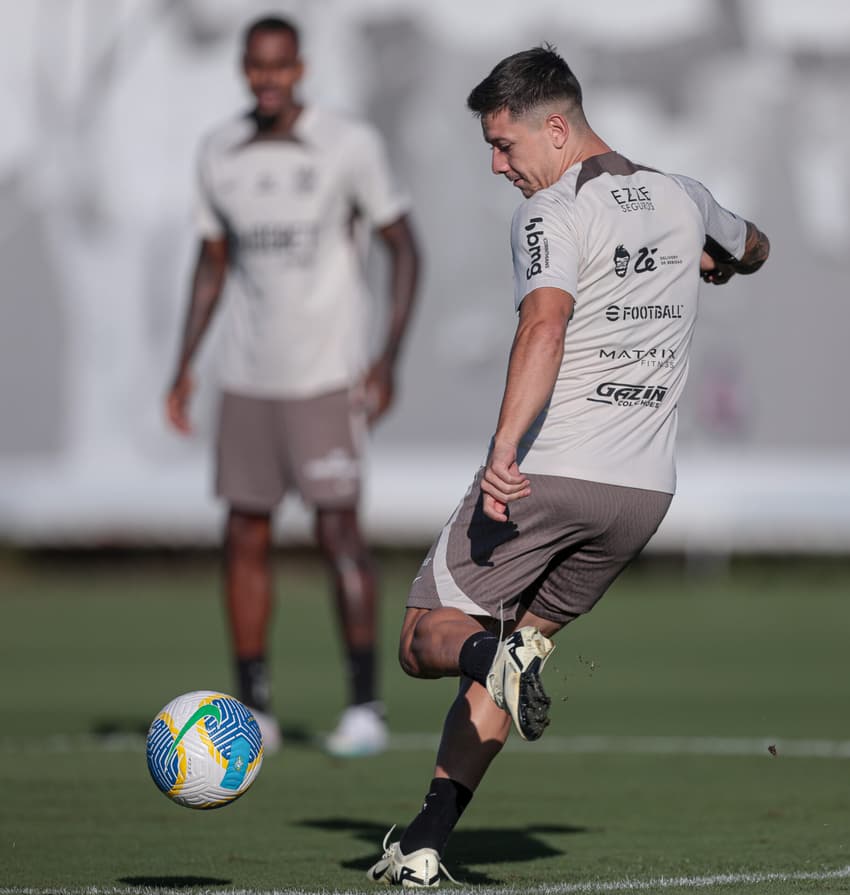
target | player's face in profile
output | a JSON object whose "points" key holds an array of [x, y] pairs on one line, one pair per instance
{"points": [[272, 68], [521, 150]]}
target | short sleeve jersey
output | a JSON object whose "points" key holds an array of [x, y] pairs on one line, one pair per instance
{"points": [[625, 242], [295, 295]]}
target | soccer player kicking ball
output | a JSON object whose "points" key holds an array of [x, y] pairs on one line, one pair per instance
{"points": [[607, 258]]}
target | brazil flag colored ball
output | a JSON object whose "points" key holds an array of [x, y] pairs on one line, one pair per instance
{"points": [[204, 749]]}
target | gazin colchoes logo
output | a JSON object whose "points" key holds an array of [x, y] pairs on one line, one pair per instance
{"points": [[624, 395]]}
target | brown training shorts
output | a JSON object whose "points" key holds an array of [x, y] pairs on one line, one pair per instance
{"points": [[558, 553], [267, 447]]}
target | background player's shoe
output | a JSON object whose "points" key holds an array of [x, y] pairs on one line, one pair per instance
{"points": [[270, 729], [514, 680], [418, 870], [361, 731]]}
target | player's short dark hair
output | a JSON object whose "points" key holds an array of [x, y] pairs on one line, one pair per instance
{"points": [[271, 23], [524, 81]]}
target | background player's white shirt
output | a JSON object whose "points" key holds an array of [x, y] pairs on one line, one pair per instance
{"points": [[295, 296], [625, 242]]}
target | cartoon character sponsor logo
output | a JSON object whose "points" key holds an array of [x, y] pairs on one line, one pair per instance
{"points": [[646, 260], [621, 260]]}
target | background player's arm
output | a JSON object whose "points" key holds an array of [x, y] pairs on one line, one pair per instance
{"points": [[717, 266], [535, 360], [207, 284], [404, 274]]}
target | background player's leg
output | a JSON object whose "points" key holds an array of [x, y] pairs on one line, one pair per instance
{"points": [[361, 730], [249, 594]]}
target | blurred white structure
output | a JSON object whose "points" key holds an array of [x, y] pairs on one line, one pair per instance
{"points": [[103, 103]]}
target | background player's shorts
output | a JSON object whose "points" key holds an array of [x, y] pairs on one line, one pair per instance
{"points": [[560, 550], [269, 446]]}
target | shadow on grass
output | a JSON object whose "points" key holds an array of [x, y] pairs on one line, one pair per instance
{"points": [[466, 848], [173, 882]]}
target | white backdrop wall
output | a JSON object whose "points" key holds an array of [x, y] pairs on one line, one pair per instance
{"points": [[103, 103]]}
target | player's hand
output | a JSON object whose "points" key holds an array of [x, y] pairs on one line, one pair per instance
{"points": [[379, 390], [714, 272], [177, 403], [502, 482]]}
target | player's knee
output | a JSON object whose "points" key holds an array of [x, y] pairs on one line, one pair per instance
{"points": [[338, 537], [406, 659], [248, 533], [410, 655]]}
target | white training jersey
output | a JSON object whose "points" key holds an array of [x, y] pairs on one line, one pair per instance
{"points": [[295, 294], [625, 241]]}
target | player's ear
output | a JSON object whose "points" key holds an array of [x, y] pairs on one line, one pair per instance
{"points": [[558, 129]]}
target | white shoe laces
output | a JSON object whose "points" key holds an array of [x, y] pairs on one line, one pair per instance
{"points": [[389, 853]]}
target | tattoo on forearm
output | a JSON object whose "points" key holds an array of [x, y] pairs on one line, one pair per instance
{"points": [[756, 250]]}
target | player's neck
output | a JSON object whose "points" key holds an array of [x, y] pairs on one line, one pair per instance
{"points": [[280, 125], [588, 145]]}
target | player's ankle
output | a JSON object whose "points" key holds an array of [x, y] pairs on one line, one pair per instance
{"points": [[444, 803]]}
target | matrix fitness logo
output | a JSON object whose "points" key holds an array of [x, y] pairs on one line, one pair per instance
{"points": [[646, 357], [538, 247], [623, 395]]}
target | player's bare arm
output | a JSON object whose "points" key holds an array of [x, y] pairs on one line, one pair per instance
{"points": [[533, 367], [718, 266], [207, 284], [401, 244]]}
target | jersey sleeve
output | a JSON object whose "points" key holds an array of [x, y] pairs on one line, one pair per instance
{"points": [[374, 189], [544, 247], [727, 229], [208, 221]]}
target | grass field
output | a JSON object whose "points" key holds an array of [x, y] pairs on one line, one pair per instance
{"points": [[655, 774]]}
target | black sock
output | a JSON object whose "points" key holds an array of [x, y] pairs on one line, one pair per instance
{"points": [[361, 675], [477, 654], [254, 688], [431, 828]]}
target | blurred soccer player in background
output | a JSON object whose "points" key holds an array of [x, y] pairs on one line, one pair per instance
{"points": [[283, 192], [607, 257]]}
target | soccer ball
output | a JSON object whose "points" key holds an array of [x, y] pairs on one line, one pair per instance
{"points": [[204, 749]]}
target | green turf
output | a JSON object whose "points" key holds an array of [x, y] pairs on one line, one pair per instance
{"points": [[89, 652]]}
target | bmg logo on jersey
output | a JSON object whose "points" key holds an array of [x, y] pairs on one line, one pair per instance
{"points": [[538, 247], [624, 395]]}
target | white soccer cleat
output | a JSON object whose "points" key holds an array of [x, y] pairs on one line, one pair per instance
{"points": [[270, 730], [418, 870], [361, 731], [514, 684]]}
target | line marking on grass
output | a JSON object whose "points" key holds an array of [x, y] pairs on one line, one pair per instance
{"points": [[426, 742], [592, 887]]}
